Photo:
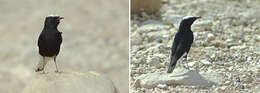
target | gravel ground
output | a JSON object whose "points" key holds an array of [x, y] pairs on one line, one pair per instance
{"points": [[226, 41], [95, 38]]}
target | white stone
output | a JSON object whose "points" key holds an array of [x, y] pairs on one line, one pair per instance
{"points": [[190, 64], [70, 82], [179, 76], [206, 62], [211, 37], [161, 85]]}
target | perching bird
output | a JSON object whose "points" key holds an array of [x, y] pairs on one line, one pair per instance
{"points": [[182, 41], [49, 41]]}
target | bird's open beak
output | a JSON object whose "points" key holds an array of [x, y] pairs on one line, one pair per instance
{"points": [[61, 17]]}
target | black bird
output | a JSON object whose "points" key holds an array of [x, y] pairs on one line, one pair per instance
{"points": [[49, 41], [182, 41]]}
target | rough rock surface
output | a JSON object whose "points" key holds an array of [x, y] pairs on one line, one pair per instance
{"points": [[95, 38], [226, 44], [70, 82], [149, 6], [179, 76]]}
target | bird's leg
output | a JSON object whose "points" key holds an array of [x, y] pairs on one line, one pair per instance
{"points": [[187, 64], [185, 56], [43, 72], [43, 59], [186, 61], [57, 70]]}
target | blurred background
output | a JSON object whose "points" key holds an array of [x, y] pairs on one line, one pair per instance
{"points": [[226, 42], [95, 38]]}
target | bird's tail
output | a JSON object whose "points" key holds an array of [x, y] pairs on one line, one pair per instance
{"points": [[172, 64], [41, 64]]}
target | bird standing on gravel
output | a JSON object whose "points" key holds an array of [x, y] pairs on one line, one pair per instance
{"points": [[182, 41], [49, 41]]}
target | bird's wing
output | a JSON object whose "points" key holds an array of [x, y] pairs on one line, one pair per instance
{"points": [[173, 58], [59, 37], [175, 43], [41, 40], [179, 46]]}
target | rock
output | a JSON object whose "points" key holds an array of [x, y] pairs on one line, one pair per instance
{"points": [[232, 42], [70, 82], [155, 35], [219, 43], [136, 38], [150, 21], [153, 61], [257, 38], [171, 18], [258, 89], [204, 24], [238, 35], [148, 6], [161, 85], [156, 60], [137, 61], [206, 62], [220, 63], [211, 37], [180, 76], [223, 87], [21, 72], [241, 47], [190, 64], [230, 68], [152, 27], [137, 83]]}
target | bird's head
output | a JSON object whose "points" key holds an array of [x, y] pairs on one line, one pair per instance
{"points": [[52, 20], [188, 21]]}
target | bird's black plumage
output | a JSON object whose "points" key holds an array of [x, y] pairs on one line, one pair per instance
{"points": [[182, 41], [50, 39]]}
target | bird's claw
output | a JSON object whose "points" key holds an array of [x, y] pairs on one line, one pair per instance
{"points": [[43, 72], [186, 67], [185, 57], [57, 71]]}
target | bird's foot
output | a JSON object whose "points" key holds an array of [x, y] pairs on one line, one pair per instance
{"points": [[43, 72], [185, 57], [187, 67], [39, 69], [57, 71]]}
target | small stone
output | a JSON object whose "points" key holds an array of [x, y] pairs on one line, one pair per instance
{"points": [[136, 38], [137, 83], [172, 19], [238, 47], [223, 87], [159, 40], [238, 35], [211, 37], [257, 38], [219, 43], [180, 76], [190, 64], [206, 62], [220, 63], [137, 61], [230, 68], [161, 85], [155, 60], [152, 27]]}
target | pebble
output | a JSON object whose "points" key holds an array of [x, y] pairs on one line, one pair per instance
{"points": [[190, 64], [162, 86], [205, 62]]}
